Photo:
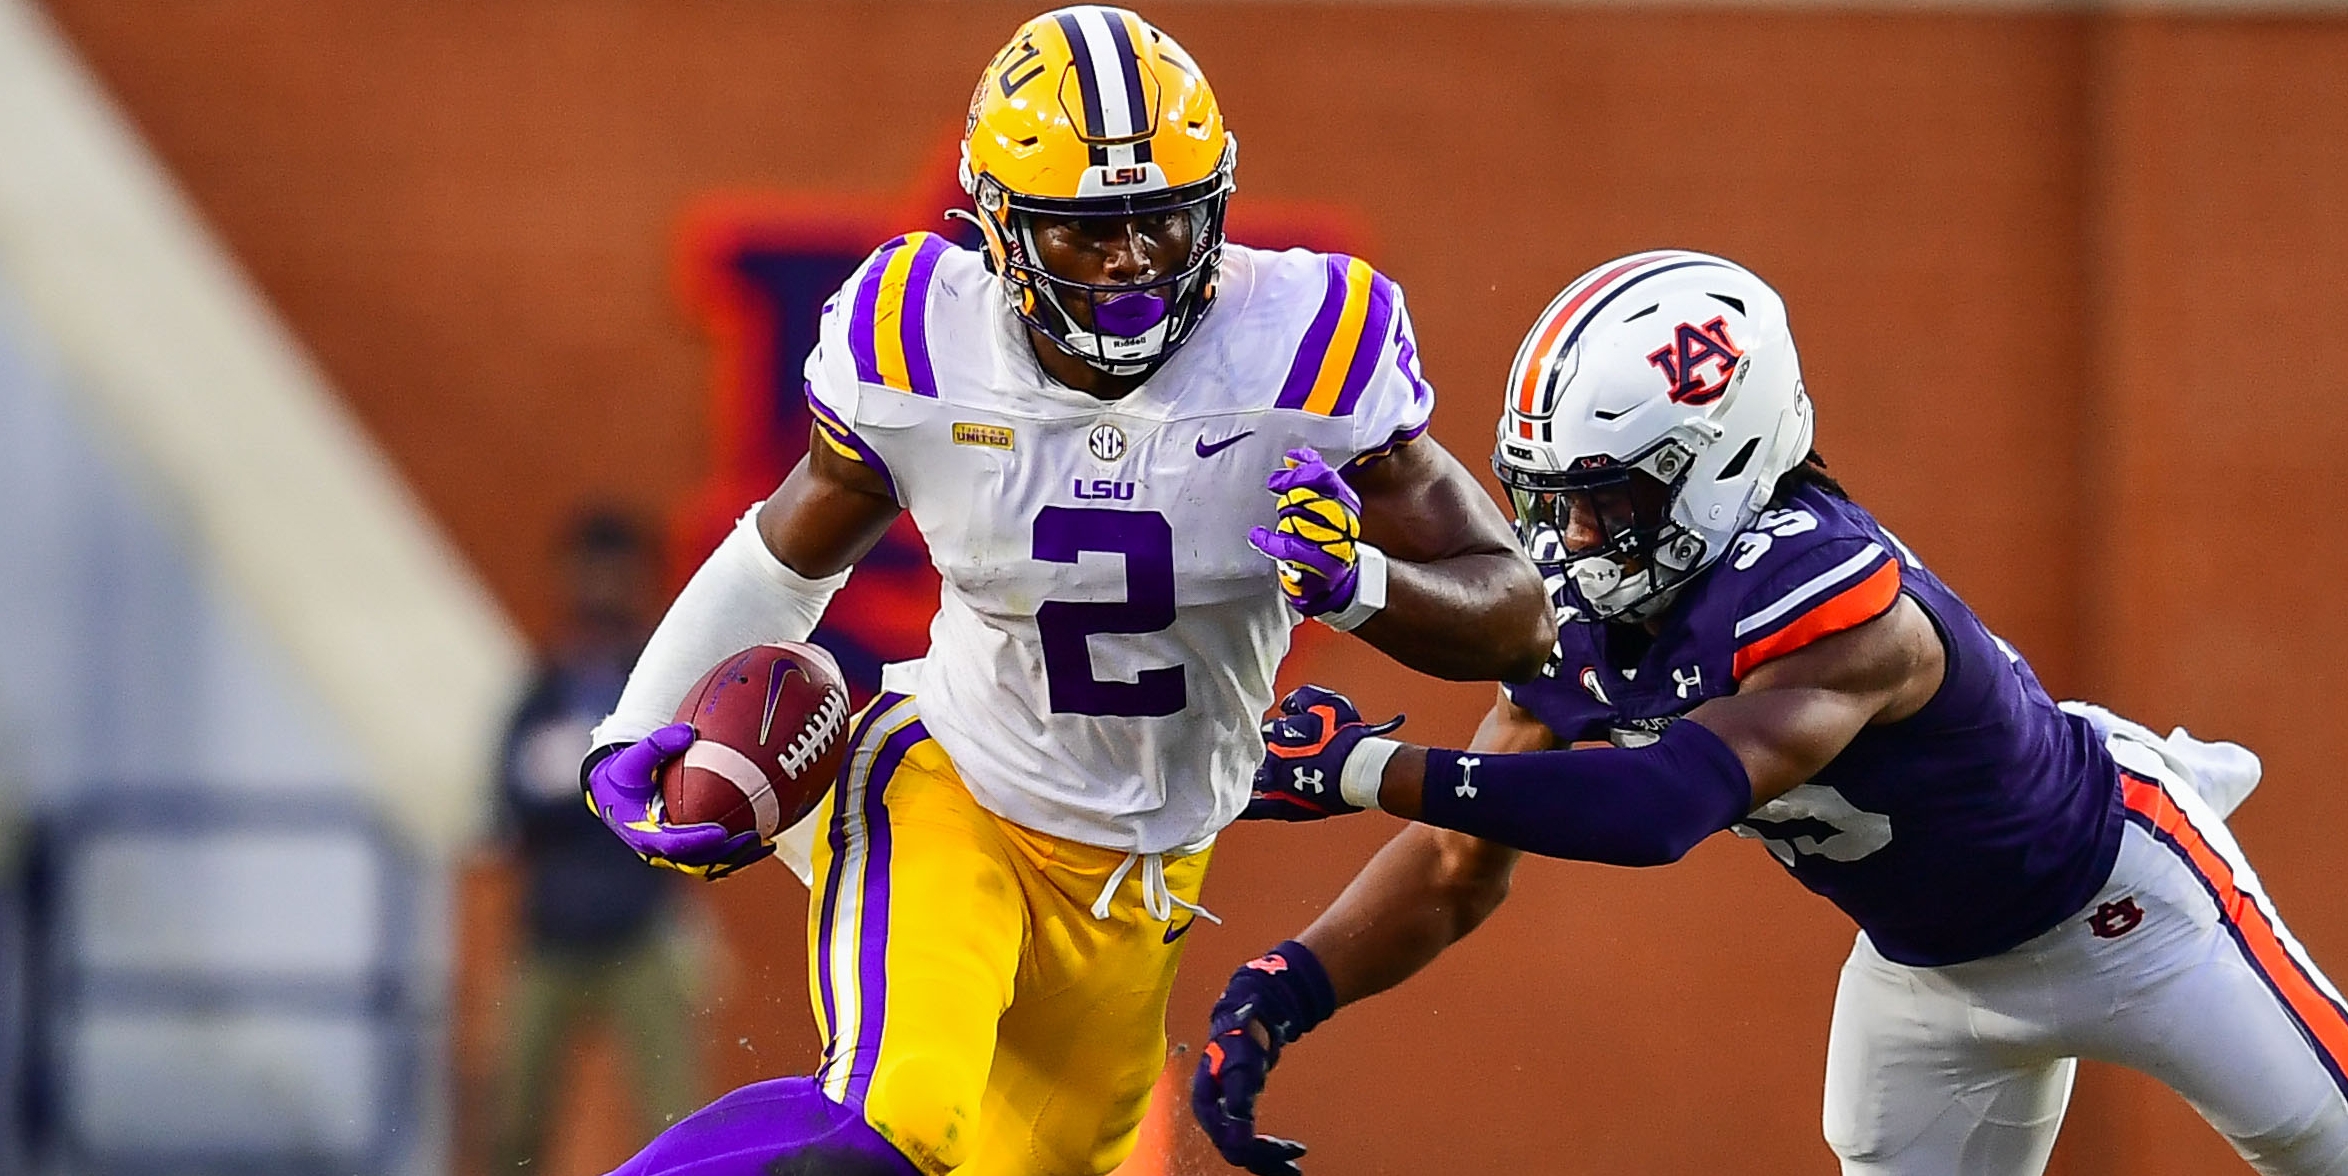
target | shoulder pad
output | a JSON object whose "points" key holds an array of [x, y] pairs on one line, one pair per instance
{"points": [[1798, 575], [1354, 316], [886, 312]]}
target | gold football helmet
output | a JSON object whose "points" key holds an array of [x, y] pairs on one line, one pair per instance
{"points": [[1091, 111]]}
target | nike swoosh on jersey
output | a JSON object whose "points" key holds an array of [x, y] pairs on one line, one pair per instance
{"points": [[1207, 450], [1174, 933]]}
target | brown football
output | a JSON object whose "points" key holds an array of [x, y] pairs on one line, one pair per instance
{"points": [[770, 726]]}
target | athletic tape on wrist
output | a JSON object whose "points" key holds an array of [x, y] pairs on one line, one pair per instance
{"points": [[1365, 770], [1369, 590]]}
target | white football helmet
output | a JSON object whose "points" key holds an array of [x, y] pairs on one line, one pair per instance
{"points": [[1661, 392]]}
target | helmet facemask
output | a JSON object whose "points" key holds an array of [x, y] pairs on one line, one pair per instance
{"points": [[1641, 553], [1134, 327]]}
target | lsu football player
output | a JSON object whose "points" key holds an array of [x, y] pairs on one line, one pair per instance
{"points": [[1139, 455], [1743, 647]]}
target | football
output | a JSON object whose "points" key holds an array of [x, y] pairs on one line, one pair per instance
{"points": [[770, 726]]}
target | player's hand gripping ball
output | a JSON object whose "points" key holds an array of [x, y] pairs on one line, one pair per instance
{"points": [[1306, 742], [1316, 538], [756, 746]]}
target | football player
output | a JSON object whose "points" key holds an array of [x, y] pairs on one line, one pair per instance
{"points": [[1742, 647], [1083, 419]]}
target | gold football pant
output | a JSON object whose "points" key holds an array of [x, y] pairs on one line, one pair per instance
{"points": [[992, 997]]}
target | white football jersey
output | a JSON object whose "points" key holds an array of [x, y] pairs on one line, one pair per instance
{"points": [[1106, 639]]}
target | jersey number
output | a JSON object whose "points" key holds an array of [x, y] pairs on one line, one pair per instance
{"points": [[1147, 543], [1814, 820]]}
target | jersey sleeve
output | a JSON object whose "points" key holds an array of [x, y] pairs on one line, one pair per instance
{"points": [[874, 340], [1812, 591], [1358, 361]]}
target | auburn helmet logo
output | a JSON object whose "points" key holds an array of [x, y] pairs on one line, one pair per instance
{"points": [[1699, 362]]}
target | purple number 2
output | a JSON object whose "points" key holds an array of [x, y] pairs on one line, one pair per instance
{"points": [[1147, 543]]}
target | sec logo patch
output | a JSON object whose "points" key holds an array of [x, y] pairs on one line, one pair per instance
{"points": [[1107, 442]]}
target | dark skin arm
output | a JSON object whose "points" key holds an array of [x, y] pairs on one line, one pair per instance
{"points": [[827, 514], [1426, 890], [1792, 716], [1462, 600]]}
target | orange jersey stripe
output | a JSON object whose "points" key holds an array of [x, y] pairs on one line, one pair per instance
{"points": [[1848, 609], [2309, 1004]]}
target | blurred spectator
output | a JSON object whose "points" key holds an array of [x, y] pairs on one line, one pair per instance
{"points": [[601, 941]]}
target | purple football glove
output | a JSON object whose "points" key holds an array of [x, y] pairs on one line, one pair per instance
{"points": [[1281, 994], [1305, 745], [1316, 539], [622, 787]]}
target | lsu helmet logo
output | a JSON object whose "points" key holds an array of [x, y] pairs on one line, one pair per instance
{"points": [[1692, 349]]}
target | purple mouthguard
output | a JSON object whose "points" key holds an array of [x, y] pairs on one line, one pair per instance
{"points": [[1129, 314]]}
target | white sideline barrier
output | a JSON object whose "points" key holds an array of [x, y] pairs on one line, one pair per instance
{"points": [[278, 489]]}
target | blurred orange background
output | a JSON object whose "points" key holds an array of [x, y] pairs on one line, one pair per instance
{"points": [[2062, 283]]}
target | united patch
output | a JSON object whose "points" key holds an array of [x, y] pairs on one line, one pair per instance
{"points": [[991, 436]]}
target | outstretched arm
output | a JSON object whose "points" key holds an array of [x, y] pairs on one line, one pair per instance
{"points": [[1649, 805]]}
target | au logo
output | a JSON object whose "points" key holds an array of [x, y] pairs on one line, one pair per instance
{"points": [[1693, 349]]}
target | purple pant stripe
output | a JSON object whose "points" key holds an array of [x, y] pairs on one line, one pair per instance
{"points": [[865, 313], [916, 316], [1317, 338], [830, 422], [873, 959], [1372, 347], [838, 837]]}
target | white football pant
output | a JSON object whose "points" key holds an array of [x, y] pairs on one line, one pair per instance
{"points": [[2180, 968]]}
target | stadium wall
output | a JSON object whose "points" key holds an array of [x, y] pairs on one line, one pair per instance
{"points": [[2063, 282]]}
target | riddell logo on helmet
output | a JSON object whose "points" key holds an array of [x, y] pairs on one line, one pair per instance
{"points": [[1692, 348]]}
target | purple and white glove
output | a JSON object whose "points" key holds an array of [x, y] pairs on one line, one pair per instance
{"points": [[621, 786], [1326, 571], [1309, 750], [1280, 994]]}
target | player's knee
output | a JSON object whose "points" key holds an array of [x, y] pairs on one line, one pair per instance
{"points": [[927, 1106]]}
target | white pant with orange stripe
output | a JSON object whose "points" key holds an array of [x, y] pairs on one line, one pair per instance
{"points": [[2180, 968]]}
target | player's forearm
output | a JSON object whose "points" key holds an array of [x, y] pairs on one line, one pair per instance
{"points": [[742, 596], [1422, 893], [1623, 806], [1483, 616]]}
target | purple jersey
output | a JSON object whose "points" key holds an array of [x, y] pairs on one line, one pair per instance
{"points": [[1982, 820]]}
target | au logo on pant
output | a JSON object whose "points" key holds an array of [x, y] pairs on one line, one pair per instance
{"points": [[2114, 919]]}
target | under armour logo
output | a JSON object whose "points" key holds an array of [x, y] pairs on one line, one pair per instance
{"points": [[2114, 919], [1308, 780], [1689, 681], [1467, 767]]}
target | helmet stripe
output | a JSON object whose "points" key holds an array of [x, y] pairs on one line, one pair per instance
{"points": [[1581, 307], [1087, 80], [1560, 313], [1129, 63]]}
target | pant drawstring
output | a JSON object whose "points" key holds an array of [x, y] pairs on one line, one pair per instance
{"points": [[1157, 899]]}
